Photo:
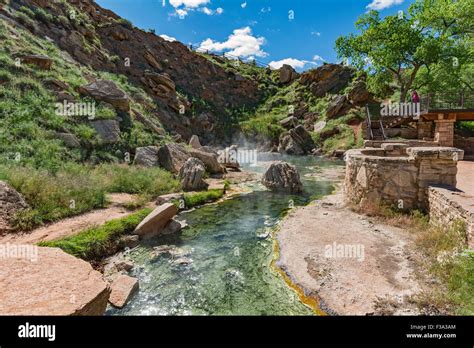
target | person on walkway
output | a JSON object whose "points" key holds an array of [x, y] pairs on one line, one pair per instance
{"points": [[415, 98]]}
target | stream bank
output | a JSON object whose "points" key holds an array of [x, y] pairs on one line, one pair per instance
{"points": [[221, 264]]}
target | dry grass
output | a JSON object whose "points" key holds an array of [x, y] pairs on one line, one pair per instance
{"points": [[442, 248]]}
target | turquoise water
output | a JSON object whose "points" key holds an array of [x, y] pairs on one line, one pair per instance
{"points": [[220, 264]]}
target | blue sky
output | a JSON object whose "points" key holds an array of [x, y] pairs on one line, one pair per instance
{"points": [[299, 32]]}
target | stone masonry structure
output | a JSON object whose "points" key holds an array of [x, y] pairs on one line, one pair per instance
{"points": [[447, 205], [398, 174]]}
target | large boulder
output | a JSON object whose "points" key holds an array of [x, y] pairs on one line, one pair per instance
{"points": [[147, 156], [210, 160], [172, 157], [287, 74], [296, 141], [154, 223], [108, 130], [359, 95], [107, 91], [289, 122], [281, 176], [192, 175], [50, 282], [123, 287], [11, 202], [42, 62]]}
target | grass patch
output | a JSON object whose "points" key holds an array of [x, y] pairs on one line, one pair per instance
{"points": [[199, 198], [75, 189], [98, 242], [53, 196]]}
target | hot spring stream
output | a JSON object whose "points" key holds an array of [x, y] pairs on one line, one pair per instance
{"points": [[221, 263]]}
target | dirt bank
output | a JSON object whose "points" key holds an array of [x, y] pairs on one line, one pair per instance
{"points": [[354, 265]]}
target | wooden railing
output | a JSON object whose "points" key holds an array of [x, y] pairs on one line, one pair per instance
{"points": [[461, 101]]}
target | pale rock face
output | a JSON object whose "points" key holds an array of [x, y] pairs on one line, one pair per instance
{"points": [[154, 223], [51, 283], [147, 156], [192, 175], [282, 176], [11, 202], [194, 142], [107, 91], [123, 287]]}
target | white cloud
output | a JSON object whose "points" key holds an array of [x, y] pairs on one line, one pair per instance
{"points": [[266, 9], [241, 43], [207, 11], [167, 38], [296, 63], [181, 12], [243, 5], [188, 3], [316, 33], [183, 7], [382, 4], [210, 12]]}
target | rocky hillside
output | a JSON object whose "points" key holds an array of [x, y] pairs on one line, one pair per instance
{"points": [[188, 89], [148, 91]]}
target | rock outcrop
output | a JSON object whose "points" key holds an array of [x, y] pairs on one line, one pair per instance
{"points": [[287, 74], [339, 105], [289, 122], [154, 223], [50, 283], [281, 176], [108, 130], [192, 175], [329, 78], [42, 62], [11, 202], [296, 141], [107, 91], [146, 156]]}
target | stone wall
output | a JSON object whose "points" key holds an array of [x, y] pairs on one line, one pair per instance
{"points": [[397, 174], [446, 205]]}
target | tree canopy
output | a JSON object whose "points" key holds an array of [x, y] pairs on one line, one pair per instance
{"points": [[429, 47]]}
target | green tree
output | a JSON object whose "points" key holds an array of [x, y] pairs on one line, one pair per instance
{"points": [[433, 33]]}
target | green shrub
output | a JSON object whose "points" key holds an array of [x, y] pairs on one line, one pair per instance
{"points": [[97, 242], [27, 11], [43, 16]]}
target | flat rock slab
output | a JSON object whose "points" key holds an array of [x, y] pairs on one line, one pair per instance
{"points": [[51, 283], [123, 288], [154, 223], [355, 266]]}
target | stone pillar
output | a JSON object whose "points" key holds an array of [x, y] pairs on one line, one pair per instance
{"points": [[425, 130], [444, 132]]}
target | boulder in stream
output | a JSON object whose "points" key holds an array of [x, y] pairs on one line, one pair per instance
{"points": [[281, 176]]}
